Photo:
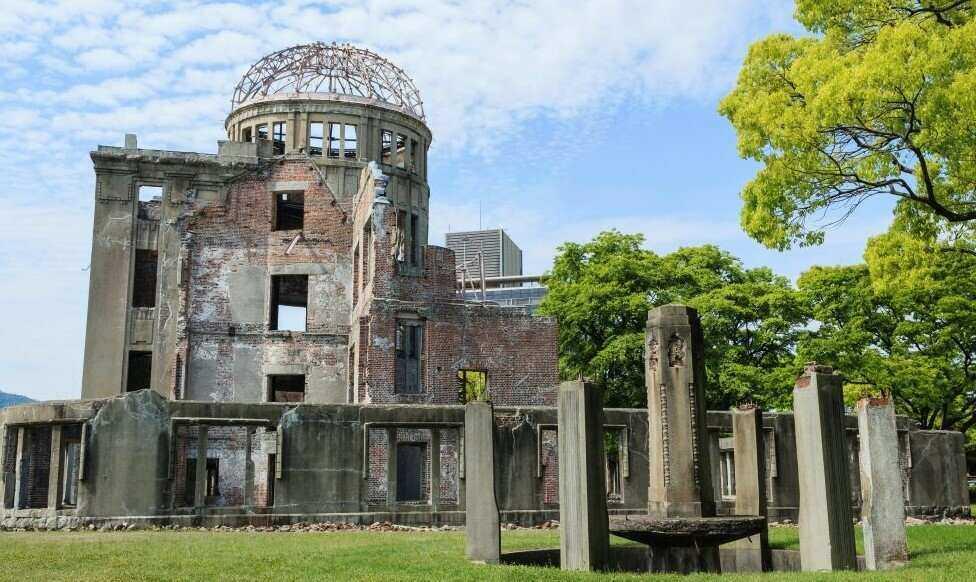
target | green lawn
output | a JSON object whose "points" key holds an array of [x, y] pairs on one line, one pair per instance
{"points": [[938, 553]]}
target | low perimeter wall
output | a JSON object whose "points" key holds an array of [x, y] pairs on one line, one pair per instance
{"points": [[139, 458]]}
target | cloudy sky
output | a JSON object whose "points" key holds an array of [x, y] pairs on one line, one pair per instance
{"points": [[557, 118]]}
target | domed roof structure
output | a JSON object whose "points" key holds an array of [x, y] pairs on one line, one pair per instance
{"points": [[321, 69]]}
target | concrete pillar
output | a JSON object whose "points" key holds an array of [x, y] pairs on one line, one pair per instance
{"points": [[752, 554], [482, 529], [883, 502], [435, 469], [249, 467], [826, 528], [200, 485], [18, 481], [584, 535], [680, 482], [391, 466], [54, 474]]}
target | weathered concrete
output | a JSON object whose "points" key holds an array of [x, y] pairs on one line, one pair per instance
{"points": [[938, 473], [882, 499], [750, 485], [826, 525], [482, 530], [680, 467], [584, 539]]}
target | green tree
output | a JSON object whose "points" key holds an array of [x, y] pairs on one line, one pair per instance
{"points": [[878, 102], [601, 290], [909, 336]]}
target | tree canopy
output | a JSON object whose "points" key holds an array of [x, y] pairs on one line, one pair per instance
{"points": [[601, 291], [878, 101], [901, 325]]}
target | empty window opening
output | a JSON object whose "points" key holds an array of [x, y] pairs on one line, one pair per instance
{"points": [[409, 339], [401, 150], [70, 464], [144, 278], [472, 386], [410, 468], [414, 160], [367, 251], [414, 239], [150, 193], [289, 302], [262, 131], [280, 132], [386, 148], [246, 135], [289, 211], [140, 371], [612, 446], [35, 468], [350, 146], [727, 465], [270, 480], [286, 388], [213, 478], [335, 139], [315, 138]]}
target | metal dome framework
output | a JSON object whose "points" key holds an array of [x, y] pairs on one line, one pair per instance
{"points": [[329, 68]]}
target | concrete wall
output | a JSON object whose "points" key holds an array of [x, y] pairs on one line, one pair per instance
{"points": [[326, 470]]}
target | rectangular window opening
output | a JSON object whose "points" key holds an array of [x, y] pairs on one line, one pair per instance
{"points": [[280, 133], [150, 193], [70, 464], [213, 478], [289, 211], [262, 132], [728, 473], [140, 371], [410, 467], [286, 388], [472, 386], [289, 302], [612, 445], [144, 278], [414, 160], [414, 239], [409, 340], [386, 146], [246, 136], [335, 139], [350, 147], [315, 138], [401, 150]]}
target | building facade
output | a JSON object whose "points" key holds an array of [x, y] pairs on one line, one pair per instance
{"points": [[293, 265], [502, 257]]}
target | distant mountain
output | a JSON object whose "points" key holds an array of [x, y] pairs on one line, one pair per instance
{"points": [[11, 399]]}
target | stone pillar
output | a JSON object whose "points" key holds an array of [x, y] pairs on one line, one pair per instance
{"points": [[54, 469], [584, 536], [481, 506], [752, 554], [883, 502], [826, 528], [200, 486], [680, 466]]}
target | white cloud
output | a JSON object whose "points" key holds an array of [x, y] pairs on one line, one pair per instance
{"points": [[76, 73]]}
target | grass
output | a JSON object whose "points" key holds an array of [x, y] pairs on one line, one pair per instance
{"points": [[939, 552]]}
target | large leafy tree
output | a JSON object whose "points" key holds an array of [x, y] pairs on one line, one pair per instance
{"points": [[878, 101], [601, 291], [908, 333]]}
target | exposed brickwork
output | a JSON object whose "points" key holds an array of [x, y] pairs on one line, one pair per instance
{"points": [[550, 467]]}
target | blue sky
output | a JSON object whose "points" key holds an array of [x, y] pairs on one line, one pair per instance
{"points": [[560, 118]]}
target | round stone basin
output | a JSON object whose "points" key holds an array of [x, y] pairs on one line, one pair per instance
{"points": [[685, 531]]}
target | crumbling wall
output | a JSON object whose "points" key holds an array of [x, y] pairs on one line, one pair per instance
{"points": [[233, 251]]}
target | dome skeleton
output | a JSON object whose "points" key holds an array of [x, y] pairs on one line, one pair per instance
{"points": [[324, 68]]}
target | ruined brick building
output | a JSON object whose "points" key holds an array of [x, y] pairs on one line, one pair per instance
{"points": [[293, 266], [271, 339]]}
